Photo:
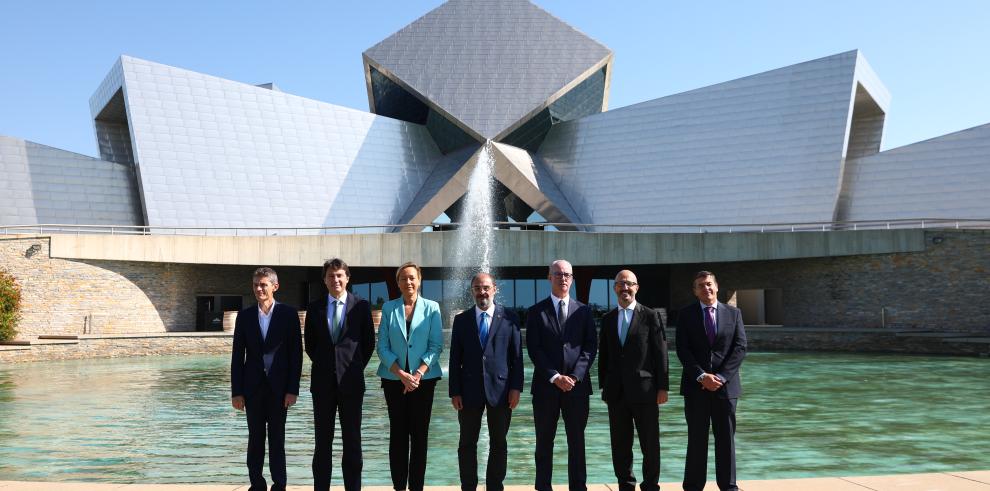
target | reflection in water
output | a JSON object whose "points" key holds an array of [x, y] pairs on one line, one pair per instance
{"points": [[169, 420]]}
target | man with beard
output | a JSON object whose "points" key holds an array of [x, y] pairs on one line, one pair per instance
{"points": [[486, 377]]}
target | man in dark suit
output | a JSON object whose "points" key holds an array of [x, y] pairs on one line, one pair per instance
{"points": [[340, 338], [633, 376], [711, 344], [265, 367], [486, 376], [561, 342]]}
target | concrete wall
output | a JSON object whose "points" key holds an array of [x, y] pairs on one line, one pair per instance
{"points": [[513, 247]]}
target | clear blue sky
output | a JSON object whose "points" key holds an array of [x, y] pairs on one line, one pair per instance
{"points": [[932, 56]]}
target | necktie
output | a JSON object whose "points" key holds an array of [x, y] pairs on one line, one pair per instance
{"points": [[623, 327], [335, 324], [710, 324], [561, 314], [483, 331]]}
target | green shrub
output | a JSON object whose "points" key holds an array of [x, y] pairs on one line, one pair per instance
{"points": [[10, 306]]}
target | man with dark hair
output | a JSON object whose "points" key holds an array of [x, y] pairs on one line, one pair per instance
{"points": [[633, 375], [265, 367], [561, 341], [340, 339], [486, 377], [711, 344]]}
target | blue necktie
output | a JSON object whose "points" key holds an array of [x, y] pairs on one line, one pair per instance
{"points": [[483, 331], [623, 327]]}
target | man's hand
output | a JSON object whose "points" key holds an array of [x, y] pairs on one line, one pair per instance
{"points": [[513, 398], [661, 397], [237, 402], [290, 400], [710, 382], [457, 402], [564, 383]]}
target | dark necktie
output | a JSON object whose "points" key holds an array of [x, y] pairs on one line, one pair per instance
{"points": [[561, 314], [710, 324], [483, 331]]}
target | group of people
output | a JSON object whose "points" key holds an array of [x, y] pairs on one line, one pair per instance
{"points": [[486, 377]]}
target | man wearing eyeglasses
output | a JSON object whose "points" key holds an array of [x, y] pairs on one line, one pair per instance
{"points": [[562, 342], [633, 376], [486, 377]]}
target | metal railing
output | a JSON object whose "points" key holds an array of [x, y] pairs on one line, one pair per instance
{"points": [[913, 223]]}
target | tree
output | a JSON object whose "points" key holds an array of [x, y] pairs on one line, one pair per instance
{"points": [[10, 306]]}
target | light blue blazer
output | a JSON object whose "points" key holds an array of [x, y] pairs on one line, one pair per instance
{"points": [[422, 344]]}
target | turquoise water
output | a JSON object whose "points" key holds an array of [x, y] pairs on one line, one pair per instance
{"points": [[169, 420]]}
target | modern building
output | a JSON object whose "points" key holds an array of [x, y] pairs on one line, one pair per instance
{"points": [[790, 163]]}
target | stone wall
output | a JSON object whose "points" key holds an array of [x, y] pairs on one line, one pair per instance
{"points": [[110, 347], [73, 297], [943, 288]]}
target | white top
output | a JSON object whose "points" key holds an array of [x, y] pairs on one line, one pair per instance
{"points": [[265, 319]]}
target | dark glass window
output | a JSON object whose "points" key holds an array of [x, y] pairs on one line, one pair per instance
{"points": [[525, 293], [506, 293], [447, 135], [584, 99], [393, 101]]}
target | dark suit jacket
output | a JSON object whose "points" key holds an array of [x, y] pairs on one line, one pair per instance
{"points": [[481, 374], [339, 366], [568, 350], [636, 371], [284, 342], [698, 356]]}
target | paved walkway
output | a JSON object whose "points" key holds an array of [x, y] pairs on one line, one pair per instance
{"points": [[943, 481]]}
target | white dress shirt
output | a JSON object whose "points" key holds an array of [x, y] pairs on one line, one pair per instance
{"points": [[624, 313]]}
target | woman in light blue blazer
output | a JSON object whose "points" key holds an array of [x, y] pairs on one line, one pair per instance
{"points": [[410, 339]]}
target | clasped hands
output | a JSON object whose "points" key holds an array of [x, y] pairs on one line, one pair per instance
{"points": [[565, 383], [711, 382]]}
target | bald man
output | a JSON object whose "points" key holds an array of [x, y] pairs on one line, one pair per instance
{"points": [[561, 341], [633, 375]]}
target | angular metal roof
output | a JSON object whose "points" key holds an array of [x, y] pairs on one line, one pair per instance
{"points": [[487, 65]]}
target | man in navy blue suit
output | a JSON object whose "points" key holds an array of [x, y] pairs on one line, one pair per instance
{"points": [[561, 341], [711, 344], [265, 367], [340, 339], [486, 377]]}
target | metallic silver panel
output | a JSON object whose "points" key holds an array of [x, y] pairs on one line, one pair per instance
{"points": [[217, 153], [45, 185], [762, 149], [488, 63], [945, 177]]}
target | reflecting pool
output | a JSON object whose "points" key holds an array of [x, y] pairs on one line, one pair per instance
{"points": [[169, 420]]}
